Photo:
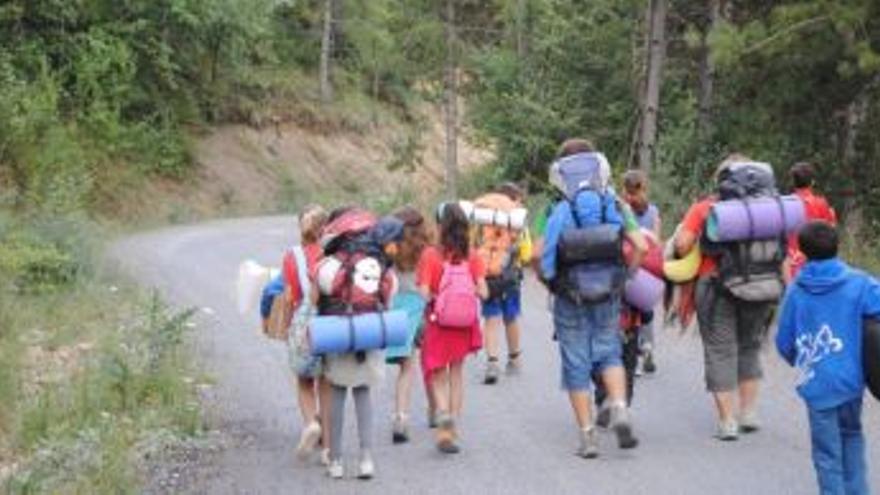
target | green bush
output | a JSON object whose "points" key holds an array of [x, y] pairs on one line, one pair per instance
{"points": [[47, 253]]}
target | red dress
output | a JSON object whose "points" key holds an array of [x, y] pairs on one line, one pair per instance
{"points": [[443, 346]]}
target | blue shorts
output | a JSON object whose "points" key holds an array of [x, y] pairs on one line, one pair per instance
{"points": [[589, 340], [508, 307]]}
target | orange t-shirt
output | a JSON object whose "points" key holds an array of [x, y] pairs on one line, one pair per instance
{"points": [[430, 268], [695, 222]]}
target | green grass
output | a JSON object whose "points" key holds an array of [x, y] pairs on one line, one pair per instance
{"points": [[93, 372]]}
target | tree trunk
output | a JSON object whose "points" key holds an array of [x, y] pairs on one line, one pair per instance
{"points": [[651, 99], [451, 103], [521, 10], [853, 122], [707, 71], [326, 53]]}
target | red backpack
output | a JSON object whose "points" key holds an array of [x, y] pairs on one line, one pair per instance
{"points": [[456, 304]]}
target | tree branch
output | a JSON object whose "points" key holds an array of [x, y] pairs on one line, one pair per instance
{"points": [[790, 29]]}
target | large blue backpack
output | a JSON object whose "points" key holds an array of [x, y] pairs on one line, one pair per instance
{"points": [[590, 258]]}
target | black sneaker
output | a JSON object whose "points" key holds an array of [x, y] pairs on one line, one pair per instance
{"points": [[623, 428], [648, 364]]}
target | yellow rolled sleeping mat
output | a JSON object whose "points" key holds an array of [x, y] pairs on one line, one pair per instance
{"points": [[683, 269]]}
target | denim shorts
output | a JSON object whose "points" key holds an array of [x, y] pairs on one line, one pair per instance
{"points": [[508, 307], [589, 340]]}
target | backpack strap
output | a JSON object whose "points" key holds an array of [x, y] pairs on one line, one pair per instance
{"points": [[302, 269]]}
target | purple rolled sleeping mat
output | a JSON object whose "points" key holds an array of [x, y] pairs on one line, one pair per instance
{"points": [[753, 219], [644, 290], [363, 332]]}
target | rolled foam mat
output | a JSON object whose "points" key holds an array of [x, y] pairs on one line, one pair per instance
{"points": [[643, 291], [760, 218], [871, 356], [653, 260], [684, 269], [363, 332]]}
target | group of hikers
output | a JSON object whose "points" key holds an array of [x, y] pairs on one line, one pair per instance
{"points": [[346, 288]]}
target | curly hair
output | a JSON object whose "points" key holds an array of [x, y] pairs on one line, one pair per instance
{"points": [[454, 233], [415, 237]]}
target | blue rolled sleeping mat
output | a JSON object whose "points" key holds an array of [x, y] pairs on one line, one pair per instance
{"points": [[363, 332]]}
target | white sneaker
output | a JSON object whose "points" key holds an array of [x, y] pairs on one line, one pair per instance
{"points": [[308, 439], [335, 470], [366, 468], [748, 422], [728, 431]]}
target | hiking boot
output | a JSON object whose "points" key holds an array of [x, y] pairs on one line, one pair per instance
{"points": [[399, 429], [514, 364], [366, 468], [620, 423], [648, 364], [728, 431], [603, 419], [589, 448], [492, 372], [308, 439], [446, 436], [748, 422], [335, 470]]}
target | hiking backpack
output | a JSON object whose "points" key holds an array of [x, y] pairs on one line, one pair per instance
{"points": [[353, 277], [750, 270], [456, 305], [497, 244], [589, 256]]}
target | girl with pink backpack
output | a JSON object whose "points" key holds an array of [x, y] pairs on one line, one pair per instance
{"points": [[452, 278]]}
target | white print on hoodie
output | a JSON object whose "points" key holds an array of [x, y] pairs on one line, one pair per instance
{"points": [[813, 348]]}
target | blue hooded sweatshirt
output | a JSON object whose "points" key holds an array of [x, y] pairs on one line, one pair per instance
{"points": [[820, 330]]}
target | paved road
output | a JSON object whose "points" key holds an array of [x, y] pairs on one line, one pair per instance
{"points": [[518, 436]]}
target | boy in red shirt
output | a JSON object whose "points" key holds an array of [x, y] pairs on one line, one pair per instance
{"points": [[816, 207]]}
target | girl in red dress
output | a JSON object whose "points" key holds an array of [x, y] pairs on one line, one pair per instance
{"points": [[444, 349]]}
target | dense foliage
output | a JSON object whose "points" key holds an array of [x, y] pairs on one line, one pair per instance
{"points": [[90, 85]]}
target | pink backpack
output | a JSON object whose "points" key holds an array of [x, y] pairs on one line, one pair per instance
{"points": [[456, 305]]}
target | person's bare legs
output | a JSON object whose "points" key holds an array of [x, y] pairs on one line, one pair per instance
{"points": [[307, 398], [513, 341], [725, 405], [456, 388], [614, 378], [580, 405], [402, 396], [440, 390], [441, 387], [404, 386], [325, 396], [748, 401], [491, 338]]}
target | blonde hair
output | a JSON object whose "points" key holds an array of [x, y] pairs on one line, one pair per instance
{"points": [[311, 221]]}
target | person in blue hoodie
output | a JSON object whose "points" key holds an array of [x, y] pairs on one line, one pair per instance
{"points": [[820, 333]]}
